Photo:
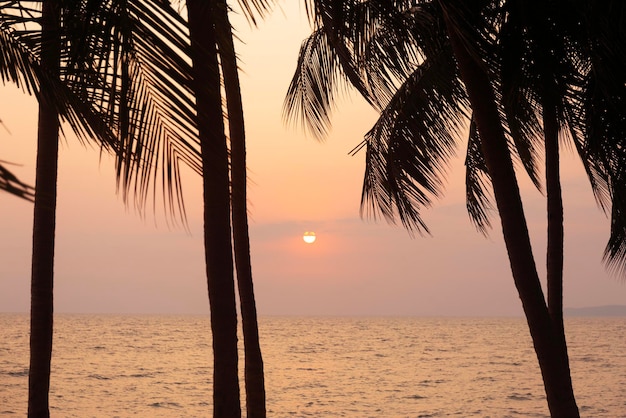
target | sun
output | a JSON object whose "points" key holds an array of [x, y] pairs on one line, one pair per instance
{"points": [[309, 237]]}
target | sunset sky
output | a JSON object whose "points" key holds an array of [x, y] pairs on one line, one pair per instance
{"points": [[109, 260]]}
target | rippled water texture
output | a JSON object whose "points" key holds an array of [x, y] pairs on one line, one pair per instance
{"points": [[160, 366]]}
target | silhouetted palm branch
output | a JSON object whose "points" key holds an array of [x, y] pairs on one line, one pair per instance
{"points": [[311, 93], [604, 101], [11, 184], [384, 44], [479, 199], [125, 80], [409, 147]]}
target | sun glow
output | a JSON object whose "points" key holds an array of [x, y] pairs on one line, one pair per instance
{"points": [[309, 237]]}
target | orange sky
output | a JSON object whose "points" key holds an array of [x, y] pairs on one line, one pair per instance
{"points": [[110, 260]]}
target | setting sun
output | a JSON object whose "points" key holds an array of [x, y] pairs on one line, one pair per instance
{"points": [[309, 237]]}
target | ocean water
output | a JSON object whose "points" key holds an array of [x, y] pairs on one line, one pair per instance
{"points": [[160, 366]]}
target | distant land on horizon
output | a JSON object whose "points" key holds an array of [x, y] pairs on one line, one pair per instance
{"points": [[607, 310]]}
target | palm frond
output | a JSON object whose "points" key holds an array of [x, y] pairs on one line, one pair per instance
{"points": [[254, 9], [11, 184], [479, 199], [395, 49], [366, 44], [125, 80], [161, 119], [310, 97], [409, 147], [603, 104], [615, 251], [20, 40], [518, 95]]}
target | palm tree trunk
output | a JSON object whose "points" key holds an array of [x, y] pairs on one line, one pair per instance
{"points": [[554, 256], [555, 247], [44, 219], [254, 377], [217, 231], [547, 344]]}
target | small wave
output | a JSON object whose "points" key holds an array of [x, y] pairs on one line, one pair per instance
{"points": [[98, 377], [520, 397], [19, 373], [141, 375], [170, 405], [416, 397], [430, 382]]}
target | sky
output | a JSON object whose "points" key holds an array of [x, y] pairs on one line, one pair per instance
{"points": [[111, 260]]}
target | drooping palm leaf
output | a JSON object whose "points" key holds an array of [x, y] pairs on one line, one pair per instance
{"points": [[311, 93], [11, 184], [409, 147], [477, 183], [254, 9], [148, 71], [605, 101], [336, 55], [125, 80], [19, 64]]}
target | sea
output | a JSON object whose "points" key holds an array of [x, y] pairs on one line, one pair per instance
{"points": [[161, 366]]}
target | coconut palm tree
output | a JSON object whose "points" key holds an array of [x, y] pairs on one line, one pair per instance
{"points": [[253, 366], [138, 51], [547, 58], [216, 193], [403, 159], [82, 62], [41, 311], [550, 348], [405, 153], [542, 68], [213, 54]]}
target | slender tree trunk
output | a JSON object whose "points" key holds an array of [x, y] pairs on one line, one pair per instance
{"points": [[42, 279], [555, 247], [547, 344], [554, 256], [254, 377], [217, 231]]}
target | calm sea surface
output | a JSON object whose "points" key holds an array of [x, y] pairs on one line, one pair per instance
{"points": [[160, 366]]}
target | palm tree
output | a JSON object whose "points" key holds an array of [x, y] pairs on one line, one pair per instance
{"points": [[135, 53], [74, 66], [547, 63], [253, 366], [550, 348], [403, 154], [398, 174], [217, 208], [540, 69], [41, 311], [213, 54]]}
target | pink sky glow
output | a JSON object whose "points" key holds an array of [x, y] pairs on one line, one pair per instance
{"points": [[110, 260]]}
